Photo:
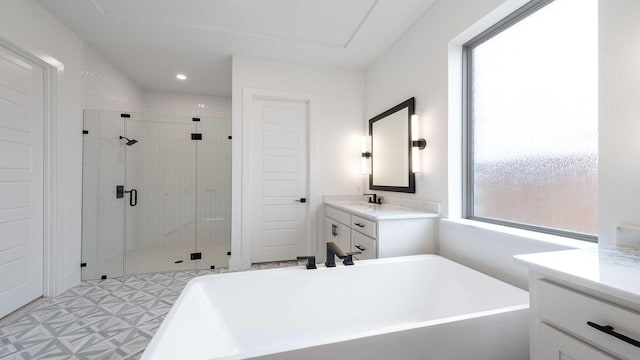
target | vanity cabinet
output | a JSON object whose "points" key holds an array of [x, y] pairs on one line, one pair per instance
{"points": [[582, 319], [378, 238], [339, 233], [364, 244], [585, 304]]}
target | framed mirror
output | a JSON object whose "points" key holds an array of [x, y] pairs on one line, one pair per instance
{"points": [[390, 134]]}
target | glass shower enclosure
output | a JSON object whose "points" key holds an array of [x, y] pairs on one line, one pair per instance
{"points": [[156, 193]]}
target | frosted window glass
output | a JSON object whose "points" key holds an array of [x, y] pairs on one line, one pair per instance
{"points": [[535, 120]]}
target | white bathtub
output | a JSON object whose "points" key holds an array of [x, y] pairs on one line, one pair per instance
{"points": [[416, 307]]}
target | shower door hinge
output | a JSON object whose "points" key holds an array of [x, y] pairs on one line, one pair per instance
{"points": [[228, 253], [196, 256], [83, 264], [85, 131], [196, 136], [125, 115]]}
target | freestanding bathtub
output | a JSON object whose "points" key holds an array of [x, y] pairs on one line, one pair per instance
{"points": [[415, 307]]}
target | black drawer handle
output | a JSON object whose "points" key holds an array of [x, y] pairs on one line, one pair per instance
{"points": [[608, 329], [358, 225], [361, 248]]}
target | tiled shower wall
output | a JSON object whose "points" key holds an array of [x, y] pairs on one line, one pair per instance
{"points": [[184, 185], [155, 102], [104, 87]]}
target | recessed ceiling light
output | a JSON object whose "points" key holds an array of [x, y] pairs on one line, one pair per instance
{"points": [[181, 77]]}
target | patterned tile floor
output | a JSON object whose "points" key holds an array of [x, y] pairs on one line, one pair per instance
{"points": [[99, 319]]}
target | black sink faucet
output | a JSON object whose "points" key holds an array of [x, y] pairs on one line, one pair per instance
{"points": [[333, 250], [373, 198]]}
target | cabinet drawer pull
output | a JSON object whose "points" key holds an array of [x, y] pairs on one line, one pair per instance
{"points": [[608, 329], [334, 230], [359, 247], [358, 225]]}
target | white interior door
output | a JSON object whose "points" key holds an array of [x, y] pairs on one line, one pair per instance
{"points": [[279, 179], [21, 181]]}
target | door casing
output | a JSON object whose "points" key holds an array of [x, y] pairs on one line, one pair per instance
{"points": [[50, 286]]}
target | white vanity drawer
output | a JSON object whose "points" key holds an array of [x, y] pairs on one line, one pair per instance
{"points": [[364, 226], [343, 217], [557, 345], [570, 311], [364, 244]]}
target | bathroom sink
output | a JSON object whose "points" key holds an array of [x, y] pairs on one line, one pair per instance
{"points": [[361, 206]]}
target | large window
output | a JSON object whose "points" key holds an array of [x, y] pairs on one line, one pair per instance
{"points": [[532, 120]]}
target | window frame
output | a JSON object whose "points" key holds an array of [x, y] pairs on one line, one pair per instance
{"points": [[467, 125]]}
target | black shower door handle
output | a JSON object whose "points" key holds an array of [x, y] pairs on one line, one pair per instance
{"points": [[133, 197]]}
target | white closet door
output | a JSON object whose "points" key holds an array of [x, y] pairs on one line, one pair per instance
{"points": [[279, 179], [21, 181]]}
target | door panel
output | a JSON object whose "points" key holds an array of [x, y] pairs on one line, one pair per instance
{"points": [[161, 166], [102, 213], [279, 179], [21, 181], [213, 189]]}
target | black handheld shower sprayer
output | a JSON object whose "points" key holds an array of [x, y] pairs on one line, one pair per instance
{"points": [[129, 141]]}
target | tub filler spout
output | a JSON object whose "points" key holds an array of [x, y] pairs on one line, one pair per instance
{"points": [[333, 250]]}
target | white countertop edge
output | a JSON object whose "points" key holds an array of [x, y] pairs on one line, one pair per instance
{"points": [[409, 214], [409, 203], [577, 280]]}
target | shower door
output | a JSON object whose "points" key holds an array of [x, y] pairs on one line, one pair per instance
{"points": [[175, 212], [103, 162]]}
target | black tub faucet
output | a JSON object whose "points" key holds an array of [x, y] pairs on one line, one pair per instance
{"points": [[333, 250], [311, 261]]}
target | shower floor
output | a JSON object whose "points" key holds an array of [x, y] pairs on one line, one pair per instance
{"points": [[162, 260]]}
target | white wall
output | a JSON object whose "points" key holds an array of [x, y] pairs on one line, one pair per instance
{"points": [[104, 87], [337, 113], [619, 125], [161, 102], [28, 26], [426, 63]]}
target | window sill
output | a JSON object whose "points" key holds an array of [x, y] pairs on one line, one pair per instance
{"points": [[526, 234]]}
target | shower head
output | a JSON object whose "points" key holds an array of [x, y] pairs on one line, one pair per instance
{"points": [[129, 141]]}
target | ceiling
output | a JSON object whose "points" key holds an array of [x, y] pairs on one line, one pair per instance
{"points": [[152, 40]]}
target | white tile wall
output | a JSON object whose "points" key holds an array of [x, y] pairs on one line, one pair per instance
{"points": [[184, 185], [156, 102], [105, 87]]}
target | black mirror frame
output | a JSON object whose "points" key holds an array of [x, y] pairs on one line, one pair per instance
{"points": [[410, 104]]}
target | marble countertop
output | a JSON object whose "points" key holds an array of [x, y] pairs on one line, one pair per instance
{"points": [[377, 212], [613, 271]]}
